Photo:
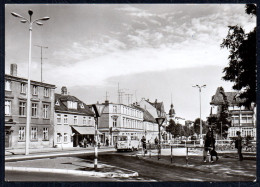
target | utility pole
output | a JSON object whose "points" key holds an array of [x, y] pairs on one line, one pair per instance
{"points": [[41, 56]]}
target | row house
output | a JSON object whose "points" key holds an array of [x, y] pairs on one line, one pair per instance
{"points": [[150, 125], [243, 118], [119, 119], [156, 109], [73, 121], [42, 110]]}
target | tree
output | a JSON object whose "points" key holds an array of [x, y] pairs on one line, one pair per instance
{"points": [[242, 60], [196, 126], [173, 128]]}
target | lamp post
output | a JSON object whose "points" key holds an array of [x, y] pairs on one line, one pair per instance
{"points": [[96, 116], [201, 140], [160, 121], [24, 20]]}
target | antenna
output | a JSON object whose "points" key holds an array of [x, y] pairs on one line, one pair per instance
{"points": [[41, 57]]}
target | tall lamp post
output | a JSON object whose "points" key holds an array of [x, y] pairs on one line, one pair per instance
{"points": [[201, 140], [160, 121], [97, 115], [24, 20]]}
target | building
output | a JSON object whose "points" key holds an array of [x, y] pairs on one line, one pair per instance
{"points": [[156, 109], [150, 125], [243, 118], [120, 119], [42, 110], [73, 121]]}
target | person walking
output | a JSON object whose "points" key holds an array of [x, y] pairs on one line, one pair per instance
{"points": [[238, 145], [143, 140], [156, 140], [207, 145], [213, 151]]}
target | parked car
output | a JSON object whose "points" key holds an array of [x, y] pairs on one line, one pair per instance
{"points": [[125, 143]]}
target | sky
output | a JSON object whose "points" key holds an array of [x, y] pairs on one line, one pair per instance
{"points": [[151, 51]]}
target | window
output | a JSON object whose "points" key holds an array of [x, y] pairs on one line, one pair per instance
{"points": [[89, 120], [22, 108], [34, 133], [65, 119], [59, 137], [21, 134], [114, 122], [23, 90], [35, 90], [45, 111], [45, 133], [58, 119], [34, 110], [57, 103], [123, 122], [65, 137], [247, 118], [114, 109], [84, 120], [7, 108], [8, 85], [82, 106], [75, 120], [46, 92], [72, 104], [235, 119]]}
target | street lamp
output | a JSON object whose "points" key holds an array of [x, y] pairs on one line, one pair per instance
{"points": [[159, 121], [24, 20], [96, 116], [201, 140]]}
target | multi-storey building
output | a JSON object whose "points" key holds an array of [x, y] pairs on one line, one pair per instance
{"points": [[42, 110], [243, 118], [119, 119], [73, 120], [150, 125]]}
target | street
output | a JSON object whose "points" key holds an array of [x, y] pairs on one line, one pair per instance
{"points": [[148, 170]]}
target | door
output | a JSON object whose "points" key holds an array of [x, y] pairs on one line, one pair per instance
{"points": [[7, 139]]}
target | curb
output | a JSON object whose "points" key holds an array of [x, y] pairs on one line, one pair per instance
{"points": [[65, 171]]}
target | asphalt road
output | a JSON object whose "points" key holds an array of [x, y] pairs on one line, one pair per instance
{"points": [[148, 171]]}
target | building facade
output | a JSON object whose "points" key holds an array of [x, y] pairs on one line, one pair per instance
{"points": [[243, 118], [73, 121], [120, 119], [42, 110]]}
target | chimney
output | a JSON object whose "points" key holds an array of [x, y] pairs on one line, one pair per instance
{"points": [[155, 101], [13, 70], [64, 90], [106, 102]]}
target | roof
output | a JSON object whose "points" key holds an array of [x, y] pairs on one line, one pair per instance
{"points": [[147, 116], [232, 98], [20, 79], [158, 105], [62, 107]]}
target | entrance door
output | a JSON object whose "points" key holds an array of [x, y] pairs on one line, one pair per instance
{"points": [[7, 139]]}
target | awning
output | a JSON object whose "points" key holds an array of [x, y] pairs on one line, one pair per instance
{"points": [[85, 130]]}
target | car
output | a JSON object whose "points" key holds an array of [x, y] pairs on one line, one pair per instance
{"points": [[125, 143]]}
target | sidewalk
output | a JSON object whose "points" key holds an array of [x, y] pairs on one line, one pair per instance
{"points": [[16, 154], [227, 164]]}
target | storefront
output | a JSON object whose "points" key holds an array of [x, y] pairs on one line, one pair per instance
{"points": [[81, 132]]}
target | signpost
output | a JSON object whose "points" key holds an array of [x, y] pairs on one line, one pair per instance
{"points": [[97, 115]]}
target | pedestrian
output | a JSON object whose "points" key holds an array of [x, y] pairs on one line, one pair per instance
{"points": [[156, 141], [143, 140], [85, 142], [238, 145], [213, 152], [207, 145], [107, 142]]}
